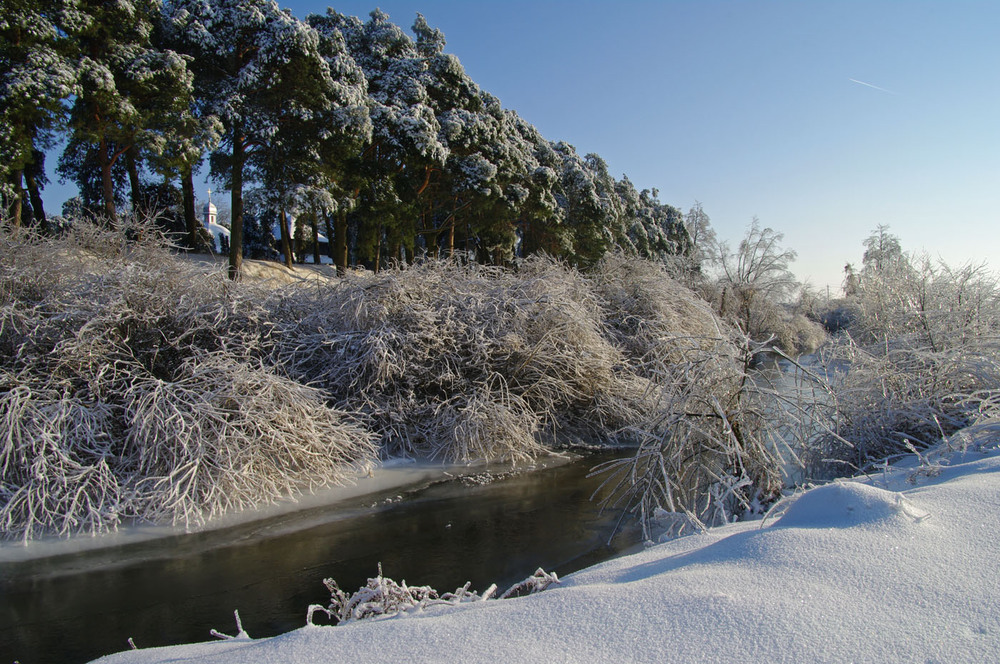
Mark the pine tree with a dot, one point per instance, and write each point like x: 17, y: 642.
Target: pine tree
x: 259, y: 70
x: 37, y: 79
x: 405, y: 152
x: 588, y: 210
x: 185, y: 135
x: 128, y: 88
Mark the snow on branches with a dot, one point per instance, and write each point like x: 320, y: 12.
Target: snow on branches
x: 383, y: 596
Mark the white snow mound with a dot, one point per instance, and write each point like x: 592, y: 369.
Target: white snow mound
x: 846, y: 504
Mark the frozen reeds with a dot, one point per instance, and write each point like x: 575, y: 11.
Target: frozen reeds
x: 464, y: 362
x: 131, y: 388
x: 383, y: 597
x: 135, y: 385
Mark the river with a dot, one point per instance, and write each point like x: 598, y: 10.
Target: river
x: 77, y: 606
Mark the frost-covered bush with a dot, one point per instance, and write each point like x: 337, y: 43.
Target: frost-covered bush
x: 922, y: 351
x: 652, y: 318
x: 134, y: 385
x: 463, y: 362
x: 131, y: 387
x: 705, y: 445
x: 709, y: 450
x: 468, y: 362
x: 891, y: 400
x: 768, y: 321
x: 799, y: 335
x: 382, y: 596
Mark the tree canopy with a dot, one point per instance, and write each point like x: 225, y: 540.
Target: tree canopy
x: 373, y: 132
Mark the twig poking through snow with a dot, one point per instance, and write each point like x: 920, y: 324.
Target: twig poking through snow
x: 240, y: 632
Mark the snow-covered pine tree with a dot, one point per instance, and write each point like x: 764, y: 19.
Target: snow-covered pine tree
x: 586, y: 194
x: 37, y: 79
x: 261, y: 71
x: 470, y: 194
x: 184, y: 136
x: 305, y: 167
x: 405, y: 152
x: 127, y: 87
x: 529, y: 184
x: 654, y: 230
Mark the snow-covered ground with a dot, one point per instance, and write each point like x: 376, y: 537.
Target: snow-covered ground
x: 902, y: 566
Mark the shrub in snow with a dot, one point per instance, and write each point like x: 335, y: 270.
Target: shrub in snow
x: 382, y: 596
x: 653, y: 319
x: 923, y: 358
x: 463, y: 362
x: 131, y: 387
x: 708, y: 451
x: 891, y: 399
x: 138, y: 387
x: 706, y: 443
x: 801, y: 335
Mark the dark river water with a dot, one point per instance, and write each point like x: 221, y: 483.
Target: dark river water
x: 74, y: 608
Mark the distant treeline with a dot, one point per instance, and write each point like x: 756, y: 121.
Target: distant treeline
x: 365, y: 132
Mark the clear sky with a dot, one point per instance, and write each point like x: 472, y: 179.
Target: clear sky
x: 823, y: 119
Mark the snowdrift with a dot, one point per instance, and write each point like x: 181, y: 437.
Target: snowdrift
x: 896, y: 567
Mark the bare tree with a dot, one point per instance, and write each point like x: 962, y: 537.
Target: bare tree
x: 755, y: 278
x: 699, y: 228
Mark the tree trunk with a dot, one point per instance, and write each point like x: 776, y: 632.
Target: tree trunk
x: 286, y: 244
x: 236, y: 229
x: 378, y: 250
x: 131, y: 165
x: 529, y: 243
x: 107, y: 184
x: 340, y: 242
x: 328, y: 224
x: 15, y: 208
x: 190, y: 217
x: 433, y: 244
x: 314, y: 224
x: 450, y: 237
x: 35, y: 195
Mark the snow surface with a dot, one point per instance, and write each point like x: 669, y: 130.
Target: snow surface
x: 899, y: 566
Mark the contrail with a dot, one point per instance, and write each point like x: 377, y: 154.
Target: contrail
x: 854, y: 80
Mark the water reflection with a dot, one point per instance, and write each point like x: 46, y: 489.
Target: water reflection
x: 72, y: 609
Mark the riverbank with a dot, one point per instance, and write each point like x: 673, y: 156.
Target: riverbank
x: 896, y: 566
x: 392, y: 475
x: 141, y: 387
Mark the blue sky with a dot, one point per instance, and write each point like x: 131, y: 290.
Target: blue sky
x: 823, y: 119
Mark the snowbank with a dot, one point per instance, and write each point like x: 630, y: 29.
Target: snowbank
x: 896, y: 567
